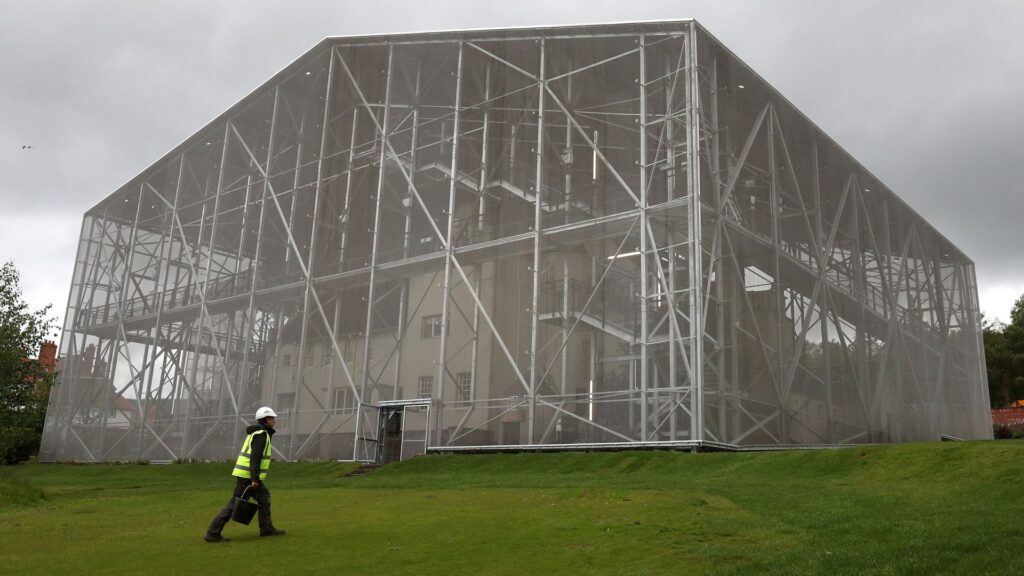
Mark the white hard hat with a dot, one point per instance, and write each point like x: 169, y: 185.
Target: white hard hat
x: 265, y: 412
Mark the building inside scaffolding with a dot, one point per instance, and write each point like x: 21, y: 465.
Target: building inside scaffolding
x: 574, y: 237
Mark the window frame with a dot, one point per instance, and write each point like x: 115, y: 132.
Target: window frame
x: 429, y: 379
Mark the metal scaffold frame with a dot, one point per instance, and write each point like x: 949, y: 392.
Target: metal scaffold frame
x: 553, y: 238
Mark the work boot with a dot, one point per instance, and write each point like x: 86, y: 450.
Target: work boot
x: 214, y: 538
x: 272, y: 532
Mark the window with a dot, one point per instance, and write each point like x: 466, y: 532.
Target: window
x: 344, y: 400
x: 350, y: 350
x: 463, y: 388
x: 285, y: 401
x: 286, y: 360
x: 426, y: 386
x: 309, y: 355
x: 328, y: 352
x: 431, y: 326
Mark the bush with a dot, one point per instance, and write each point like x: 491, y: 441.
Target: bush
x: 1002, y: 432
x: 18, y: 444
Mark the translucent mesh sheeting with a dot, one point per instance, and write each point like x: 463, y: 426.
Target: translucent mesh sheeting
x: 504, y: 226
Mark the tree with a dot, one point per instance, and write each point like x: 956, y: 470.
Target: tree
x: 24, y: 382
x: 1004, y: 357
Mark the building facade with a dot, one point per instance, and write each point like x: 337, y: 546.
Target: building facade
x: 592, y: 236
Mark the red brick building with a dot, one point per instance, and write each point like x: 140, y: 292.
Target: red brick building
x: 1011, y: 417
x: 48, y: 355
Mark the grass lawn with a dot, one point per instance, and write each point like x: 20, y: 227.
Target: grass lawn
x: 951, y: 508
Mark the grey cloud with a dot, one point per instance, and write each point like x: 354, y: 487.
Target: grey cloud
x: 924, y: 94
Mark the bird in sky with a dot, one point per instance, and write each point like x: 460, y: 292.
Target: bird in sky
x: 26, y: 147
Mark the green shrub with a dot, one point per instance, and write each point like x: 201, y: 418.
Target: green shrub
x: 1002, y: 432
x: 17, y: 444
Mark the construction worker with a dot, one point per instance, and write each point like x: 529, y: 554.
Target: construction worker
x: 250, y: 472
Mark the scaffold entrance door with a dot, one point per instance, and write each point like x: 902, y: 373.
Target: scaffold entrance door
x: 389, y: 447
x: 415, y: 430
x: 403, y: 429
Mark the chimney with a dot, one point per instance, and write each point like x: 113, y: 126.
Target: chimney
x: 48, y: 355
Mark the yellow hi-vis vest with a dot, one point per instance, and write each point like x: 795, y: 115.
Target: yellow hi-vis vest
x: 242, y: 464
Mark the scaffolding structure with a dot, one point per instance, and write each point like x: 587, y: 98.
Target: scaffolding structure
x: 577, y: 237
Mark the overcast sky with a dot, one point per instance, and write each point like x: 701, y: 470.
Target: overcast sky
x: 927, y: 95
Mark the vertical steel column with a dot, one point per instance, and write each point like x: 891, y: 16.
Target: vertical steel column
x: 117, y: 338
x: 129, y: 261
x: 180, y: 379
x: 776, y: 205
x: 88, y: 279
x: 591, y: 373
x: 643, y: 239
x: 938, y: 304
x: 407, y: 232
x: 254, y: 265
x: 278, y: 323
x: 892, y: 296
x: 481, y: 216
x: 858, y: 269
x: 225, y: 383
x: 332, y: 404
x: 311, y: 255
x: 83, y: 321
x: 716, y: 264
x: 90, y: 275
x: 107, y: 271
x: 482, y: 181
x: 373, y: 254
x: 243, y: 228
x: 399, y: 336
x: 109, y: 268
x: 112, y: 342
x: 344, y: 220
x: 823, y: 310
x: 438, y: 391
x: 290, y: 225
x: 195, y: 281
x: 670, y: 183
x: 534, y: 315
x: 693, y: 183
x: 566, y: 287
x: 403, y: 300
x: 279, y: 326
x: 910, y: 267
x: 565, y: 257
x: 344, y: 223
x: 150, y: 359
x: 300, y: 360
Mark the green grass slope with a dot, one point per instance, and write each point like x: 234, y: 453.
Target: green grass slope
x: 913, y: 509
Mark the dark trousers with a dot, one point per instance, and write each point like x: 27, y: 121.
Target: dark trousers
x: 262, y: 495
